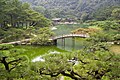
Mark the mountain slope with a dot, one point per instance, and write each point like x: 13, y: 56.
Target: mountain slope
x: 71, y: 8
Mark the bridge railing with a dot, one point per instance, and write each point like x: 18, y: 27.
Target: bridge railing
x: 69, y: 35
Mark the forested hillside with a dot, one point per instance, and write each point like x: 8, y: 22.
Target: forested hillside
x: 71, y: 8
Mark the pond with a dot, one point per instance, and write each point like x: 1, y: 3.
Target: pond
x: 70, y: 43
x: 35, y: 52
x: 67, y: 28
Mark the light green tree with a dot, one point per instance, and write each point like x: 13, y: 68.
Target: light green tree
x: 43, y: 36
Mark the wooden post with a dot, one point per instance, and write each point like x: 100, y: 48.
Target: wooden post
x: 73, y: 42
x: 64, y: 42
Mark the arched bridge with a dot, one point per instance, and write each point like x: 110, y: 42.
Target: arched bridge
x: 54, y: 39
x: 69, y: 35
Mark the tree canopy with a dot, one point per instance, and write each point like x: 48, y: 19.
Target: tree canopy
x: 80, y: 66
x: 17, y: 19
x: 12, y: 62
x: 81, y: 9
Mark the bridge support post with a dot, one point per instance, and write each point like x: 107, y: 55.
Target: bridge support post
x: 55, y: 42
x: 73, y: 42
x: 63, y: 42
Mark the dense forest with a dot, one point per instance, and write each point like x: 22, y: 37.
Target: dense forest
x: 89, y: 9
x: 27, y: 31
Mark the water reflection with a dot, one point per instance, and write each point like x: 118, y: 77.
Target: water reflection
x: 40, y: 58
x: 70, y: 44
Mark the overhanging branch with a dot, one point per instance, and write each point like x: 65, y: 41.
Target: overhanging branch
x: 14, y: 61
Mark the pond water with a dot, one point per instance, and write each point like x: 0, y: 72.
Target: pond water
x: 66, y: 28
x: 35, y: 52
x: 70, y: 43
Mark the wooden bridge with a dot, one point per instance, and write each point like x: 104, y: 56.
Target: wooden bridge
x: 54, y: 39
x: 69, y: 36
x: 25, y: 41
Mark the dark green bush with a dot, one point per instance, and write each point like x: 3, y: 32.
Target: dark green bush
x: 5, y: 46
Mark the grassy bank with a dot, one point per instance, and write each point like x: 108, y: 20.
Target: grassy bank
x: 115, y: 49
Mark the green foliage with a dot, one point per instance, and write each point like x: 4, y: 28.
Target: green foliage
x: 101, y: 37
x: 107, y: 25
x: 18, y: 21
x: 16, y: 17
x: 42, y: 37
x: 13, y: 34
x: 12, y: 63
x: 5, y: 46
x: 80, y: 65
x: 16, y: 34
x: 84, y: 16
x: 37, y: 19
x: 116, y: 13
x: 117, y: 37
x: 109, y: 31
x: 81, y: 9
x: 102, y: 13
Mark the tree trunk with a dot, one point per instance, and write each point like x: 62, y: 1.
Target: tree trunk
x: 11, y: 20
x: 6, y: 65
